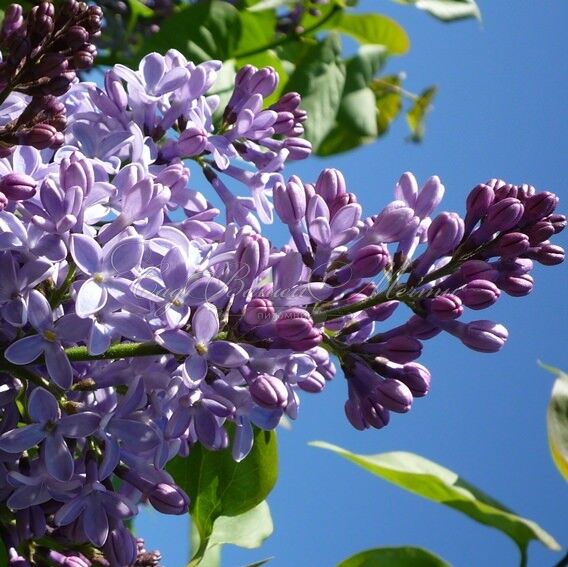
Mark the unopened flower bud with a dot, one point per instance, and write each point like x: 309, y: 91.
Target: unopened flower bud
x: 259, y: 311
x: 394, y: 395
x: 192, y: 142
x: 269, y: 391
x: 444, y: 307
x: 169, y: 499
x: 17, y: 186
x: 479, y: 294
x: 330, y: 184
x: 290, y: 201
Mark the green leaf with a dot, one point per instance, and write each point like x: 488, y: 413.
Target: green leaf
x: 249, y: 530
x: 257, y: 31
x: 356, y: 123
x: 369, y: 28
x: 394, y: 557
x: 439, y: 484
x: 416, y: 116
x: 260, y: 563
x: 557, y: 420
x: 357, y: 109
x: 319, y: 77
x: 202, y: 31
x: 447, y: 10
x: 388, y: 101
x: 219, y: 486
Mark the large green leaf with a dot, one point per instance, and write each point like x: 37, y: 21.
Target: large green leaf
x: 249, y: 530
x: 439, y: 484
x: 257, y: 31
x: 356, y: 122
x: 370, y: 28
x: 416, y: 116
x: 394, y: 557
x: 447, y: 10
x: 219, y: 486
x: 319, y: 77
x: 557, y: 420
x: 202, y: 31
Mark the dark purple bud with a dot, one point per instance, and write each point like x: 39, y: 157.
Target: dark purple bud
x: 516, y: 285
x: 421, y: 328
x: 444, y: 307
x: 558, y: 222
x: 269, y: 391
x: 400, y: 349
x: 394, y: 395
x: 12, y: 23
x: 539, y: 232
x: 3, y: 201
x: 41, y: 136
x: 382, y: 311
x: 169, y: 499
x: 540, y: 205
x: 368, y: 261
x: 259, y: 311
x: 484, y: 336
x: 290, y: 201
x: 445, y: 233
x: 76, y: 36
x: 479, y: 294
x: 505, y: 191
x: 120, y: 547
x: 191, y: 142
x: 263, y: 82
x: 84, y: 58
x: 547, y: 254
x: 512, y: 244
x: 478, y: 270
x: 18, y: 186
x: 295, y: 326
x: 417, y: 378
x: 50, y: 65
x: 330, y: 184
x: 525, y: 191
x: 478, y: 202
x: 504, y: 214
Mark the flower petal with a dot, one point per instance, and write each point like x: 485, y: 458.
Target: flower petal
x: 205, y: 323
x: 25, y: 350
x: 22, y: 439
x: 91, y: 298
x: 86, y: 253
x: 57, y: 458
x: 58, y: 365
x: 42, y: 406
x: 228, y: 355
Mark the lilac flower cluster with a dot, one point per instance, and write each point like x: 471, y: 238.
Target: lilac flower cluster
x: 42, y: 52
x: 135, y: 324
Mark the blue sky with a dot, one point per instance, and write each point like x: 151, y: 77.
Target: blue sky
x: 501, y: 112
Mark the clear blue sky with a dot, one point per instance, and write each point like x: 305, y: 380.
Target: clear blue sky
x: 501, y: 112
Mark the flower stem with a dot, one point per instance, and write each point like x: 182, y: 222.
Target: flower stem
x: 121, y: 350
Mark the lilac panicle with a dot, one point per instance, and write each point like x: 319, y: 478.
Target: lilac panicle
x: 136, y: 322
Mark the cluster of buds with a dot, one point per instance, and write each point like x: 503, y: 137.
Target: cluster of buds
x: 42, y: 53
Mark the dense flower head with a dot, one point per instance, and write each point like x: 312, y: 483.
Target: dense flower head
x: 136, y: 323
